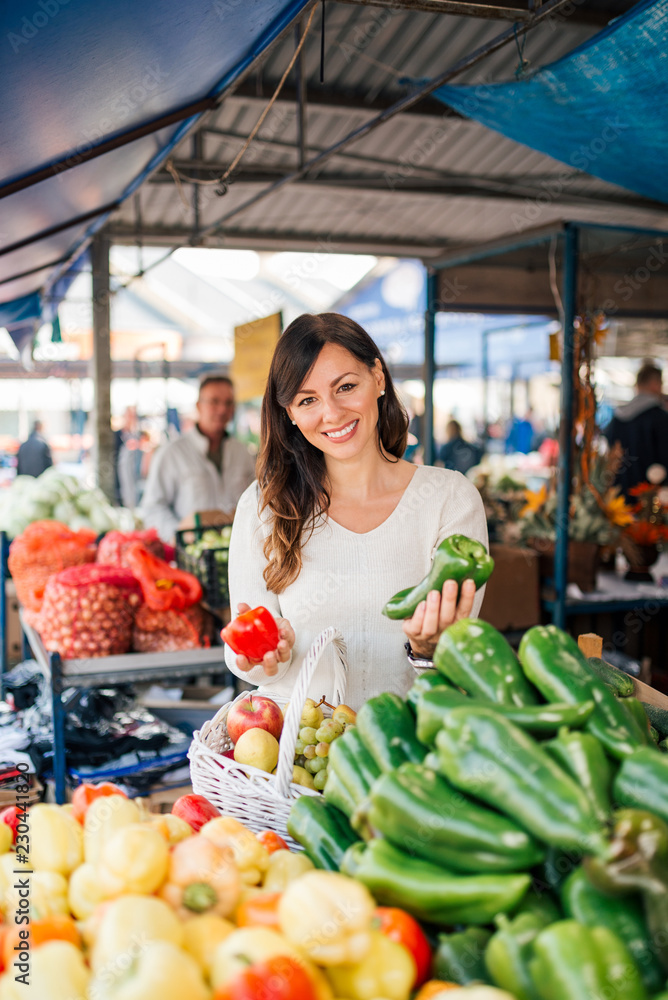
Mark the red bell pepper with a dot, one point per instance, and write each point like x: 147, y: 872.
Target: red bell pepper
x: 252, y: 634
x: 272, y: 841
x: 164, y: 588
x: 279, y: 977
x: 404, y: 929
x: 84, y: 794
x: 12, y: 816
x: 196, y: 810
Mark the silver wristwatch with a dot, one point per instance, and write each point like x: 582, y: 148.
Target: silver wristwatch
x: 417, y: 661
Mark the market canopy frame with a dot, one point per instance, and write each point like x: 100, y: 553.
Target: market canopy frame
x: 563, y: 270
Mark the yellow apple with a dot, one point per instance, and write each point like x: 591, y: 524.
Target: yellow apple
x: 257, y: 748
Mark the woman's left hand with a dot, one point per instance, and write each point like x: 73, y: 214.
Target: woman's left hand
x: 433, y: 616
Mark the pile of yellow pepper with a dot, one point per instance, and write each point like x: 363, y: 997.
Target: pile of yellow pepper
x: 125, y: 905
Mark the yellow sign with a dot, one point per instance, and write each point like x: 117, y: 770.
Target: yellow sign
x: 254, y: 345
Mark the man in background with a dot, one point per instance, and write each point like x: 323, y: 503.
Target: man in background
x: 641, y: 428
x: 205, y: 471
x: 34, y: 456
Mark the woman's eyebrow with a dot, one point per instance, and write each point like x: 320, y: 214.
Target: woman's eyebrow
x: 310, y: 392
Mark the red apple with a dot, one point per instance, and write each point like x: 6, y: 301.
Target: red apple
x: 254, y: 712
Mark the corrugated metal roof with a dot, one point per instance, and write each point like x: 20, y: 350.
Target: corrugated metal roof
x: 419, y: 183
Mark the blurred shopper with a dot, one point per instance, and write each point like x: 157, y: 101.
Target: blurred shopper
x: 34, y: 454
x: 641, y: 428
x: 521, y: 435
x: 129, y: 431
x: 205, y: 471
x: 457, y: 453
x: 132, y: 466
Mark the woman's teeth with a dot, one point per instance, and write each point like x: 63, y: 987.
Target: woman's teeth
x: 341, y: 433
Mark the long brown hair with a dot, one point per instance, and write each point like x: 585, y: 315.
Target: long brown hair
x: 291, y: 471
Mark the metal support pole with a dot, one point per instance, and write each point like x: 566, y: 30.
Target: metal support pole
x: 104, y: 438
x: 198, y: 155
x: 300, y: 81
x: 485, y: 389
x: 429, y: 368
x: 570, y: 274
x: 4, y: 652
x: 58, y: 710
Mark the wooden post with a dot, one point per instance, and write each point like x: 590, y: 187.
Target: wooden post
x: 103, y: 434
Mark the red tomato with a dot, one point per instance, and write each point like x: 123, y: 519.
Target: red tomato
x: 280, y: 977
x: 252, y: 634
x: 84, y: 795
x: 12, y: 816
x: 195, y: 810
x: 272, y: 841
x: 399, y: 926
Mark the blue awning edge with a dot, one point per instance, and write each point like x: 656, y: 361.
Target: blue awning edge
x: 601, y: 109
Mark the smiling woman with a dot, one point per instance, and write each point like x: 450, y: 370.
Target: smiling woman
x: 338, y: 521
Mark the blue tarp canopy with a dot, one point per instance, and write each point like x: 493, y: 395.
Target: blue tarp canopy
x: 81, y: 76
x: 601, y: 109
x: 391, y: 308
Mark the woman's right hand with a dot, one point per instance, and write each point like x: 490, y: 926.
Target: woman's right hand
x: 271, y: 660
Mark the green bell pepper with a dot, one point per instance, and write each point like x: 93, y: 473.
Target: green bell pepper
x: 624, y: 916
x: 433, y: 705
x: 429, y: 892
x: 387, y: 728
x: 510, y: 951
x: 635, y: 707
x: 419, y: 812
x: 351, y: 773
x: 426, y: 681
x: 472, y: 655
x: 460, y: 957
x: 456, y: 558
x: 322, y: 831
x: 581, y: 755
x: 642, y: 782
x: 574, y: 962
x: 638, y: 862
x: 541, y: 904
x: 485, y: 755
x: 337, y: 795
x: 556, y: 868
x: 552, y: 661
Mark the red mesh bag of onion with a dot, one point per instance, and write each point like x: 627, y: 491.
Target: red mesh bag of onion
x: 45, y: 548
x: 167, y: 631
x: 112, y: 548
x: 89, y: 611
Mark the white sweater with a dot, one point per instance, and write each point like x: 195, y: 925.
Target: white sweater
x: 346, y: 578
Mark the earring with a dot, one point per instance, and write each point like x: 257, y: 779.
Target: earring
x: 382, y: 392
x: 294, y: 422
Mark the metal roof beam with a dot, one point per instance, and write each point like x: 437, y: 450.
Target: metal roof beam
x: 439, y: 183
x: 499, y: 12
x: 584, y: 13
x: 336, y: 99
x: 250, y: 239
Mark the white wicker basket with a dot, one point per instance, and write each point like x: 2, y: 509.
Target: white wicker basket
x: 259, y: 800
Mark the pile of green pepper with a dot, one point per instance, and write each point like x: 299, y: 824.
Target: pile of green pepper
x: 487, y: 804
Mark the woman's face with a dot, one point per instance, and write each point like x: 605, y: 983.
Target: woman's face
x: 336, y: 408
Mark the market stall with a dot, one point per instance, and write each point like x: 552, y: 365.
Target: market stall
x: 499, y: 834
x: 574, y: 272
x: 98, y: 617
